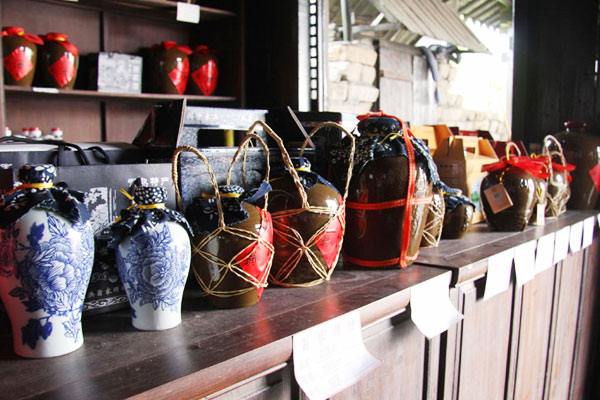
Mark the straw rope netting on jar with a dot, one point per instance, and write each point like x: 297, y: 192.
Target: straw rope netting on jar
x: 305, y: 248
x: 559, y: 190
x: 256, y: 240
x: 432, y: 233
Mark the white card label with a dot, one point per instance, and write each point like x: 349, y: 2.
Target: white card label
x: 525, y: 262
x: 498, y: 273
x: 561, y: 244
x: 331, y: 356
x: 431, y: 309
x: 45, y: 90
x: 188, y: 12
x: 575, y: 237
x: 588, y: 232
x: 544, y: 253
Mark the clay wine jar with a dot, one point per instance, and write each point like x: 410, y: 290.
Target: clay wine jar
x: 19, y: 55
x: 167, y: 68
x: 58, y: 62
x: 204, y: 71
x: 374, y: 234
x: 581, y: 149
x: 520, y: 186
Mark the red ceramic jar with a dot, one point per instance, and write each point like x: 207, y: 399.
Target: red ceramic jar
x: 58, y: 62
x: 19, y: 55
x: 204, y: 71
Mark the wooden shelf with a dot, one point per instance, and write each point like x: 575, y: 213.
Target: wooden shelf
x: 40, y: 91
x: 163, y: 9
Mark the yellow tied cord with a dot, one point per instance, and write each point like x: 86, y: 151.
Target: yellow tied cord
x: 140, y: 206
x: 389, y: 136
x: 44, y: 185
x: 226, y: 195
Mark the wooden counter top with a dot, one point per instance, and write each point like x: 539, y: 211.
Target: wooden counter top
x: 468, y: 257
x: 210, y: 350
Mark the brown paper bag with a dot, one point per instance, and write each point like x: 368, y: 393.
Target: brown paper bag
x: 459, y: 160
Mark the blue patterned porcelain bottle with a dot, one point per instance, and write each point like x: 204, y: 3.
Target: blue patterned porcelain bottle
x: 153, y: 257
x: 46, y: 257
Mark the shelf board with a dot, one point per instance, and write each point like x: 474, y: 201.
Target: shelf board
x: 91, y: 94
x: 148, y: 8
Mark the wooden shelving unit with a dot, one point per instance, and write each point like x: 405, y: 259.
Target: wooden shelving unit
x: 121, y: 26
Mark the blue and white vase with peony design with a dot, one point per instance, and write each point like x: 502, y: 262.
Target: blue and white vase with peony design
x: 46, y: 257
x: 153, y: 257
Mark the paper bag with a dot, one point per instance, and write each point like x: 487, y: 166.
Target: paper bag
x: 459, y: 160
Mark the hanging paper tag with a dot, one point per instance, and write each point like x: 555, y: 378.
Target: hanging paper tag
x: 498, y: 198
x: 588, y: 232
x: 540, y: 214
x: 188, y: 13
x: 575, y: 237
x: 498, y: 273
x: 525, y: 262
x: 431, y: 309
x: 561, y: 244
x: 331, y: 356
x: 544, y: 253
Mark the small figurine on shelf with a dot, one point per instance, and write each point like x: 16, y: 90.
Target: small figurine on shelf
x: 153, y: 257
x: 58, y: 62
x: 19, y: 53
x: 46, y: 257
x: 166, y: 69
x: 204, y: 71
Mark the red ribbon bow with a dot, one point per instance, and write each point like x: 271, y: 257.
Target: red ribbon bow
x: 170, y: 44
x: 18, y: 31
x: 537, y: 167
x: 558, y: 167
x: 61, y: 38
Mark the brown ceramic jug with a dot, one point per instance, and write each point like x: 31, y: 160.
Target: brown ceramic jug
x: 458, y: 214
x: 582, y: 149
x: 308, y: 221
x: 232, y: 257
x: 167, y: 68
x: 559, y: 181
x: 388, y: 199
x: 204, y: 71
x: 19, y: 55
x: 58, y: 62
x: 435, y: 220
x: 513, y: 176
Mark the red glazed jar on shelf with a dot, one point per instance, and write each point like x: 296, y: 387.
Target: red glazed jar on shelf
x: 167, y: 68
x: 204, y: 71
x: 19, y: 55
x: 58, y: 62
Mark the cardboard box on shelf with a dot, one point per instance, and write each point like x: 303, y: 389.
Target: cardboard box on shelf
x: 459, y: 160
x: 431, y: 134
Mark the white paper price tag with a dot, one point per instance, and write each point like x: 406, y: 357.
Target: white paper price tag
x: 45, y: 90
x: 331, y: 356
x: 525, y: 262
x: 588, y: 232
x: 544, y: 254
x: 561, y: 244
x: 575, y: 237
x: 188, y: 12
x: 431, y: 309
x: 498, y: 273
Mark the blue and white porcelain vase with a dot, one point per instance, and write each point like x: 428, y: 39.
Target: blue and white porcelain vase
x: 153, y: 257
x: 46, y: 257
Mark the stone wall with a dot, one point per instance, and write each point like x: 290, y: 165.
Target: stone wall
x: 351, y: 81
x: 451, y: 112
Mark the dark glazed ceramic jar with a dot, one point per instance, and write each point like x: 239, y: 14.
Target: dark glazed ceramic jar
x: 167, y: 68
x: 581, y: 149
x: 19, y: 55
x: 435, y: 220
x: 58, y: 62
x: 520, y: 186
x: 212, y: 265
x: 317, y: 227
x: 380, y: 232
x: 204, y: 71
x: 458, y: 215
